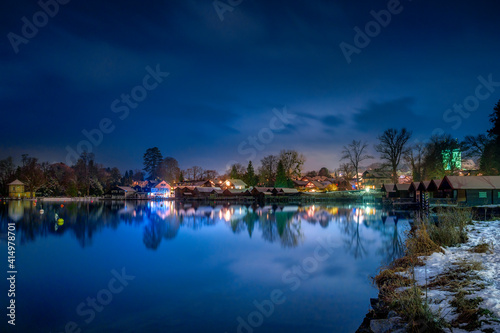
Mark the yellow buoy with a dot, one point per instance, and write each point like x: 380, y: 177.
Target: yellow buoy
x: 60, y: 221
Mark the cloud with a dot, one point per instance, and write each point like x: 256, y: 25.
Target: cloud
x: 396, y: 113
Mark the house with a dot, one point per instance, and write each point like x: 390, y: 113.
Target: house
x: 287, y: 191
x: 375, y: 179
x: 403, y: 191
x: 300, y: 184
x: 162, y: 189
x: 236, y: 184
x: 389, y: 190
x: 198, y: 183
x: 314, y: 186
x: 236, y: 193
x: 121, y: 193
x: 17, y: 190
x: 184, y: 191
x: 472, y: 190
x: 205, y: 192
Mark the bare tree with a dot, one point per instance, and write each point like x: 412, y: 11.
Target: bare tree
x: 414, y: 157
x: 267, y: 170
x: 346, y: 170
x: 292, y: 162
x: 392, y: 146
x: 354, y: 153
x: 473, y: 146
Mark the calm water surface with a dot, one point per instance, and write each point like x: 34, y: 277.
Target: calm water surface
x: 166, y: 267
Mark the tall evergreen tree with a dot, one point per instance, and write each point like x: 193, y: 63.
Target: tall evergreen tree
x: 152, y: 160
x: 250, y: 177
x: 281, y: 179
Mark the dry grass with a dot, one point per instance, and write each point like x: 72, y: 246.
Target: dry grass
x: 482, y: 248
x: 450, y: 230
x: 468, y: 311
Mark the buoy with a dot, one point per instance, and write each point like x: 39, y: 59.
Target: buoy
x: 34, y: 203
x: 60, y: 221
x: 42, y: 211
x: 62, y: 205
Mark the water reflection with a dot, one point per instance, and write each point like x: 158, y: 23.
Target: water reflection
x: 162, y: 221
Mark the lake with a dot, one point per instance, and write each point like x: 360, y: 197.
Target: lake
x: 169, y: 267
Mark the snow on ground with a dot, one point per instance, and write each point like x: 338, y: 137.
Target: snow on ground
x: 438, y: 263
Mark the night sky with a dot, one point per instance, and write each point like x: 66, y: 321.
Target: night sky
x: 228, y: 79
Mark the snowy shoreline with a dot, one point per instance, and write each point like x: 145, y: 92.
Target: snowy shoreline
x: 437, y: 264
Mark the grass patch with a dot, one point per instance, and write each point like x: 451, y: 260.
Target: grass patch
x: 468, y: 311
x: 482, y: 248
x: 450, y: 230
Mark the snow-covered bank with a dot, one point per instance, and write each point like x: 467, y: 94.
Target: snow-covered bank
x: 483, y: 272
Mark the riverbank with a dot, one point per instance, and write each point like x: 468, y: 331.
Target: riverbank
x: 448, y: 281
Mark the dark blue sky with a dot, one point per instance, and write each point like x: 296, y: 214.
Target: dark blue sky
x: 227, y: 76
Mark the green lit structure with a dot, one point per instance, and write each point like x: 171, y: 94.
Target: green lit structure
x: 452, y: 160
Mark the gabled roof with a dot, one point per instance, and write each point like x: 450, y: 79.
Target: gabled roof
x: 470, y: 183
x: 16, y: 182
x: 126, y: 188
x: 288, y: 190
x: 237, y: 182
x: 162, y: 184
x: 402, y: 187
x: 388, y: 188
x: 424, y: 185
x: 434, y: 185
x: 300, y: 182
x: 205, y: 189
x: 262, y: 189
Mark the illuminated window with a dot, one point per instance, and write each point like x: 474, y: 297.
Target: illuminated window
x: 482, y: 195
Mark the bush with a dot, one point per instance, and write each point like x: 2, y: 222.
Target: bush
x: 450, y: 230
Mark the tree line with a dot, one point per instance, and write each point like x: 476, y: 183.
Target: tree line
x: 433, y: 159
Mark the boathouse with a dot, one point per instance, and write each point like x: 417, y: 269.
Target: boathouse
x: 17, y: 190
x: 472, y: 190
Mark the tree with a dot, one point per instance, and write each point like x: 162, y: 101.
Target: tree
x: 354, y: 153
x: 31, y: 173
x: 152, y: 159
x: 473, y: 146
x: 323, y: 172
x: 438, y: 160
x: 210, y: 174
x: 490, y: 159
x: 311, y: 174
x: 169, y: 170
x: 138, y: 175
x: 267, y: 169
x: 197, y: 172
x: 292, y: 162
x: 392, y: 146
x: 250, y: 177
x: 281, y: 178
x: 7, y: 174
x: 237, y: 171
x: 86, y: 173
x: 414, y: 158
x: 346, y: 170
x: 181, y: 177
